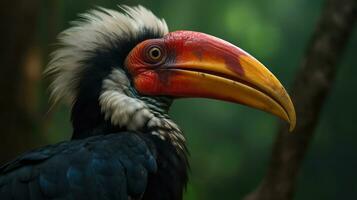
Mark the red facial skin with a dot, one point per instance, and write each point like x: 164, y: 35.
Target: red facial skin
x: 179, y: 49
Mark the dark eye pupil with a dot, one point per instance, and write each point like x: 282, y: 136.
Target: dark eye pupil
x: 155, y: 53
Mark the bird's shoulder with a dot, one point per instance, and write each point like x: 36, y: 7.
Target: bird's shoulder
x: 112, y: 166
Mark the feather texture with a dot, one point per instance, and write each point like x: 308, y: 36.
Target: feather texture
x: 114, y: 166
x: 98, y: 30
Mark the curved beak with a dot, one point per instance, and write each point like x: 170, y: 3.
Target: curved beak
x: 208, y: 67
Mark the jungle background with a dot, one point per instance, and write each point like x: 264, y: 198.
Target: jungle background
x: 230, y: 144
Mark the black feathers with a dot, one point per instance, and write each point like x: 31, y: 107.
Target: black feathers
x: 114, y: 166
x: 170, y: 180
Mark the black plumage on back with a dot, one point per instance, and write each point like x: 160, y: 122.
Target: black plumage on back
x: 113, y: 166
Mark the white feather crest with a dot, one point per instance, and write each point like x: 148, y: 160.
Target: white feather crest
x: 96, y: 29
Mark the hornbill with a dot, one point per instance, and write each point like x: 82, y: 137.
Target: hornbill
x: 121, y: 71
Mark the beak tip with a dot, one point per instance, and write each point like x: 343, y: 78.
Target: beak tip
x: 292, y: 127
x: 292, y: 122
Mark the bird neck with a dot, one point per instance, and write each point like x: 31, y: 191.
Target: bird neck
x: 116, y: 107
x: 88, y: 119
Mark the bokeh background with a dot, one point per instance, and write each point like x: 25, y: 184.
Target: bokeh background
x: 230, y: 144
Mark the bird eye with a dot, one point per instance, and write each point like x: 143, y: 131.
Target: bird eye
x: 155, y: 54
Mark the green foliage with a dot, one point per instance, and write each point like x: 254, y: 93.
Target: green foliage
x: 230, y: 145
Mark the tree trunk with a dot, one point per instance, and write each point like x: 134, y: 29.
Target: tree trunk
x: 18, y: 21
x: 312, y: 85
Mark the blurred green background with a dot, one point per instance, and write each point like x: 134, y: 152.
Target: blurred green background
x: 230, y: 145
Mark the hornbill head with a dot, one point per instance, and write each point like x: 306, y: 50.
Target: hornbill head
x: 126, y: 68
